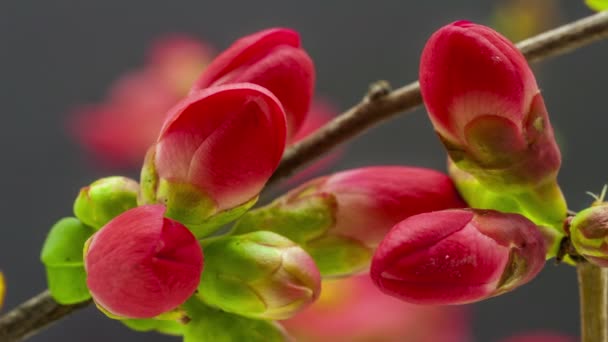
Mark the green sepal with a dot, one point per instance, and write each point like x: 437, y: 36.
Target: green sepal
x: 302, y: 221
x: 174, y: 328
x: 68, y: 284
x: 185, y: 202
x: 64, y: 243
x: 337, y: 256
x: 62, y: 256
x: 217, y: 221
x: 308, y: 222
x: 543, y: 204
x: 208, y: 324
x: 597, y: 5
x: 105, y: 199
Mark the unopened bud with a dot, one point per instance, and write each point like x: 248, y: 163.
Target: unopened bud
x: 340, y: 219
x: 457, y: 256
x: 105, y: 199
x: 259, y: 275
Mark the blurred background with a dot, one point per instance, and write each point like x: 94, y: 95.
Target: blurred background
x: 56, y: 57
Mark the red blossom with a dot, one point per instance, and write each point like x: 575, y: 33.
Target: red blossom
x: 273, y: 59
x: 457, y: 256
x: 141, y: 264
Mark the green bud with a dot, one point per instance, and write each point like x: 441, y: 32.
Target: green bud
x: 259, y: 275
x: 62, y: 257
x: 169, y: 327
x: 105, y: 199
x: 589, y: 234
x: 209, y: 324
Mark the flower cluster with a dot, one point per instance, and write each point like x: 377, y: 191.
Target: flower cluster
x: 156, y: 255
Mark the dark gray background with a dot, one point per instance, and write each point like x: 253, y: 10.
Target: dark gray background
x: 57, y: 53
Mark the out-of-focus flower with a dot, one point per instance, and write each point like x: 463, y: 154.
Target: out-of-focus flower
x: 540, y: 337
x: 589, y: 234
x: 340, y: 219
x: 259, y: 275
x: 457, y: 256
x: 2, y: 289
x: 105, y: 199
x: 273, y: 59
x: 485, y: 105
x: 521, y: 19
x: 215, y: 152
x: 119, y: 130
x: 141, y: 265
x: 354, y: 310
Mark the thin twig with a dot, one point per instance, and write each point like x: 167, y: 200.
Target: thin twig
x: 380, y: 104
x: 593, y: 288
x: 372, y: 110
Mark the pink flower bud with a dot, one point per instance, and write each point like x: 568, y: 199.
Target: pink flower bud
x: 216, y: 150
x: 275, y: 60
x: 457, y: 256
x: 485, y: 104
x: 340, y: 219
x: 141, y: 264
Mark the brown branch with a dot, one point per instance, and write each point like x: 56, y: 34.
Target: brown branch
x: 380, y: 104
x: 593, y: 288
x: 378, y: 107
x: 33, y: 315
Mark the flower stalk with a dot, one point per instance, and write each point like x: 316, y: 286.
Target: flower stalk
x: 593, y: 290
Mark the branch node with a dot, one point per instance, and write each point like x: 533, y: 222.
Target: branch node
x: 378, y: 90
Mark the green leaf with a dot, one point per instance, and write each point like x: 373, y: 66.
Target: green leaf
x: 208, y: 324
x: 2, y: 289
x: 64, y: 243
x: 598, y: 5
x: 68, y: 284
x: 163, y: 326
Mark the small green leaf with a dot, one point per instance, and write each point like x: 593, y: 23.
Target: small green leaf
x: 64, y: 244
x: 163, y: 326
x: 68, y: 284
x: 598, y: 5
x: 208, y: 324
x: 2, y: 289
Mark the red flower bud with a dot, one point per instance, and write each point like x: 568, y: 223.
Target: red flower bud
x: 273, y: 59
x: 141, y: 264
x: 340, y: 219
x: 216, y: 150
x: 457, y: 256
x: 485, y: 104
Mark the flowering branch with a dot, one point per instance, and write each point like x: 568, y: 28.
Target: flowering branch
x: 381, y: 103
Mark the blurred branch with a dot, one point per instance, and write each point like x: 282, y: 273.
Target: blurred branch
x: 381, y: 103
x: 31, y: 316
x: 380, y: 106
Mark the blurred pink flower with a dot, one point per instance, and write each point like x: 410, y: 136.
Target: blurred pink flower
x: 354, y: 310
x: 120, y: 129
